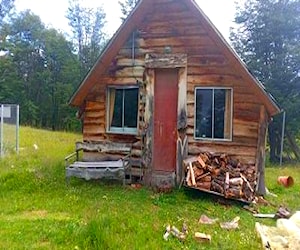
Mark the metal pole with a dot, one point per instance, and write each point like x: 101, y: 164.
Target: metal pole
x: 1, y: 130
x: 17, y: 128
x: 282, y: 137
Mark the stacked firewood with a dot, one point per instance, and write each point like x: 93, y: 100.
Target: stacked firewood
x: 221, y: 174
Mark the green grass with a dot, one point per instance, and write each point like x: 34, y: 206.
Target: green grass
x: 9, y: 138
x: 39, y: 211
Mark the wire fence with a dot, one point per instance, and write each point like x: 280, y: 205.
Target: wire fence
x: 9, y: 129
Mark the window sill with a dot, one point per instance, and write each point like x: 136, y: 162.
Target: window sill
x: 211, y: 140
x: 122, y: 132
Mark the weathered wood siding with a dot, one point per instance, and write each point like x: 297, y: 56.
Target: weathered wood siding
x: 171, y: 28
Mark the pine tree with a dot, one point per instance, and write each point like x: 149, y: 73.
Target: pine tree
x: 267, y: 38
x: 126, y: 7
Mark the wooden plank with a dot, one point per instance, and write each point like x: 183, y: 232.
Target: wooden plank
x: 136, y: 71
x: 245, y: 129
x: 207, y: 59
x: 165, y: 60
x: 214, y: 80
x: 127, y: 52
x: 92, y: 105
x: 232, y: 150
x: 98, y: 164
x: 94, y: 114
x: 169, y: 7
x: 161, y: 17
x: 129, y: 62
x: 161, y: 28
x: 118, y: 81
x: 97, y: 121
x: 182, y: 99
x: 245, y: 98
x: 93, y: 129
x: 243, y: 140
x: 104, y: 147
x: 210, y: 69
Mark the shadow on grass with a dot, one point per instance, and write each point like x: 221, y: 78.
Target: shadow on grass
x: 195, y: 194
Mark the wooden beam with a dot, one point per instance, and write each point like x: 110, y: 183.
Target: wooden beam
x: 165, y: 61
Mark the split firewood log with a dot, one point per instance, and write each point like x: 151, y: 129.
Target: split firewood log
x: 215, y: 172
x: 201, y: 162
x: 206, y: 179
x: 224, y: 158
x: 233, y: 163
x: 201, y: 237
x: 226, y: 183
x: 192, y: 174
x: 204, y: 185
x: 205, y: 157
x: 222, y: 164
x: 198, y: 172
x: 217, y: 187
x: 220, y: 180
x: 236, y: 181
x: 234, y: 192
x: 202, y: 176
x: 188, y: 177
x: 216, y: 161
x: 210, y: 168
x: 247, y: 182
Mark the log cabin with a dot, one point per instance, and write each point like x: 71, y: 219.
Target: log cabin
x: 170, y: 85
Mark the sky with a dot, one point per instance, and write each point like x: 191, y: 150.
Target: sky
x: 52, y: 12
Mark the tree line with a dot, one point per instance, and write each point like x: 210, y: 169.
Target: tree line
x: 40, y: 67
x: 267, y: 37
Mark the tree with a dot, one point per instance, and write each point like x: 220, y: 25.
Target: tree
x: 5, y: 7
x: 126, y: 7
x: 61, y: 72
x: 40, y: 72
x: 267, y: 38
x: 24, y: 46
x: 89, y: 38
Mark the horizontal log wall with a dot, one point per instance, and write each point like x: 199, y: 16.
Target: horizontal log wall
x: 171, y: 28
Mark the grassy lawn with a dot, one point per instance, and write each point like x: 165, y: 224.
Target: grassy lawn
x: 39, y: 211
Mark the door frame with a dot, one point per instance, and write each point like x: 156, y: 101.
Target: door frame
x: 159, y: 61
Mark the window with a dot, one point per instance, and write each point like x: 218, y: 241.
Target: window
x: 123, y: 109
x: 213, y: 113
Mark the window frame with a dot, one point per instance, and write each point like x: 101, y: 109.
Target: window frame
x: 212, y: 127
x: 120, y: 130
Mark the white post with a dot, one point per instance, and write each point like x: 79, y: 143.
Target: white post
x: 1, y: 130
x: 282, y: 137
x: 17, y: 128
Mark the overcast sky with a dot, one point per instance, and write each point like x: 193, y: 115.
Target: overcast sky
x: 52, y: 12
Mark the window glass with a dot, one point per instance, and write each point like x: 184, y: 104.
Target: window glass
x: 219, y: 113
x: 204, y: 113
x: 117, y: 109
x: 123, y: 109
x: 130, y: 108
x: 213, y: 116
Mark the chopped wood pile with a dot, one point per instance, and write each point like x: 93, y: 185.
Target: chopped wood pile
x: 221, y: 174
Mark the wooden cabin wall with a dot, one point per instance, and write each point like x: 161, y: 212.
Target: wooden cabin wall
x: 171, y: 28
x: 124, y: 70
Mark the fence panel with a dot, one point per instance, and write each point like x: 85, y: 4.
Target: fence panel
x: 9, y: 128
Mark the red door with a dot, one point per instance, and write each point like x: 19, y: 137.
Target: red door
x: 165, y: 119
